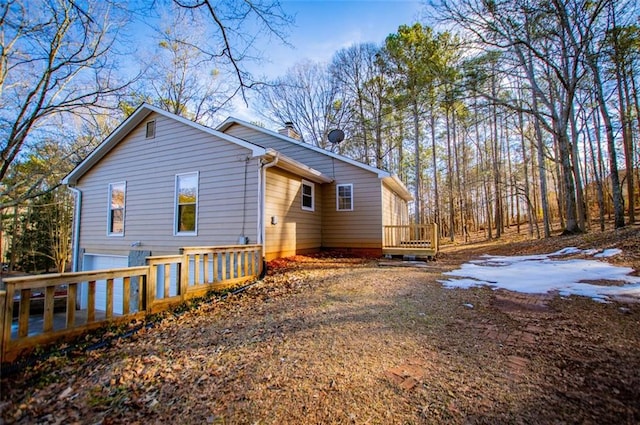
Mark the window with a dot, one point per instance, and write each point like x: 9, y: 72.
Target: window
x: 151, y: 130
x: 344, y: 197
x: 115, y: 225
x: 307, y: 196
x: 186, y: 212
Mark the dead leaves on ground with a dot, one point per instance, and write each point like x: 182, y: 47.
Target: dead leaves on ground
x: 340, y: 340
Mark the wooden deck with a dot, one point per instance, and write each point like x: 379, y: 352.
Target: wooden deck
x: 164, y: 282
x: 412, y: 240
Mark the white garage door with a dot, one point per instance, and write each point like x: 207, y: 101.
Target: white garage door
x: 100, y: 262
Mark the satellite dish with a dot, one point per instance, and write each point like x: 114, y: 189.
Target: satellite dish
x: 336, y: 136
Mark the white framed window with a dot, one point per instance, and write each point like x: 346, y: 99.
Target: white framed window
x: 308, y: 196
x: 151, y: 130
x: 115, y: 219
x: 186, y: 204
x: 344, y: 197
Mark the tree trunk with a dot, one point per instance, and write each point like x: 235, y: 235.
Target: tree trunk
x: 450, y: 178
x: 436, y: 194
x: 618, y: 202
x: 418, y: 167
x: 627, y: 137
x: 365, y: 130
x: 401, y: 171
x: 14, y: 240
x: 484, y: 164
x: 541, y: 169
x: 514, y: 206
x: 575, y: 163
x: 536, y: 197
x: 636, y: 103
x: 596, y: 165
x: 525, y: 171
x: 496, y: 164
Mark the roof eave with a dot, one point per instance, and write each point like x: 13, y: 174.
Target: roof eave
x: 298, y: 168
x: 107, y: 144
x: 398, y: 187
x: 231, y: 120
x: 134, y: 120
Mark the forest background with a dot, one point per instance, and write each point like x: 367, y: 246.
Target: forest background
x: 508, y: 113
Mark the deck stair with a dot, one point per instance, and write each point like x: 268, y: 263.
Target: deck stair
x: 411, y: 241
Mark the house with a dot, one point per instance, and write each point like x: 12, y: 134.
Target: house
x: 160, y: 182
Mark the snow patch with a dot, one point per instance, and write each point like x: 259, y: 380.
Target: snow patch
x: 608, y: 253
x: 536, y: 274
x: 566, y: 251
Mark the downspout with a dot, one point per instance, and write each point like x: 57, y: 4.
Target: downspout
x: 262, y: 185
x: 75, y: 243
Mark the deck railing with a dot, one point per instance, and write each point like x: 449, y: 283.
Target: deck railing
x: 420, y: 236
x: 164, y: 282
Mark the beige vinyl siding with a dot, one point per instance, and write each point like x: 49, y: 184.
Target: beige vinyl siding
x: 360, y: 228
x: 394, y: 209
x: 149, y: 167
x: 297, y: 231
x: 292, y: 149
x: 296, y: 150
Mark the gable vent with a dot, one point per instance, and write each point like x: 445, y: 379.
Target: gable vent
x: 151, y: 130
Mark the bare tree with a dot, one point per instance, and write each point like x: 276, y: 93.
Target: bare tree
x: 181, y: 78
x: 624, y: 46
x: 358, y: 71
x: 548, y: 43
x: 228, y: 39
x: 57, y: 224
x: 410, y: 56
x: 56, y: 61
x: 307, y: 96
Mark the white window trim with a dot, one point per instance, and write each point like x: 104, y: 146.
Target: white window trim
x: 338, y: 197
x: 124, y: 210
x: 313, y: 195
x: 175, y: 205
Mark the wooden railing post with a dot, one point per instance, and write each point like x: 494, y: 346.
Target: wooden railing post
x: 126, y: 294
x: 23, y: 313
x: 72, y: 291
x: 151, y: 285
x: 205, y: 267
x: 183, y: 276
x: 216, y: 259
x: 91, y: 301
x: 142, y: 290
x: 49, y: 305
x: 435, y: 238
x: 109, y: 308
x: 196, y: 269
x: 3, y: 306
x: 225, y: 260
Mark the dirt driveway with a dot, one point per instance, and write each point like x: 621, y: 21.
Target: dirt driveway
x: 326, y: 340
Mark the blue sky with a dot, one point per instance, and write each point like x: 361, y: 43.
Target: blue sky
x: 323, y: 27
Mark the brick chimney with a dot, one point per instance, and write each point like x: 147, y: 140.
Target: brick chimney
x: 289, y: 131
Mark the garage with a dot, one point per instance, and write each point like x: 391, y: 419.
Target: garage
x: 101, y: 262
